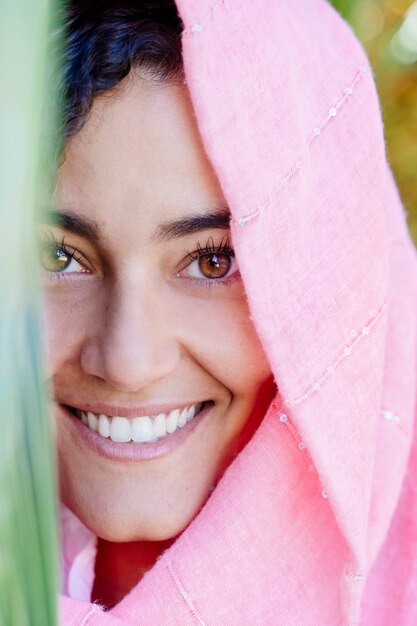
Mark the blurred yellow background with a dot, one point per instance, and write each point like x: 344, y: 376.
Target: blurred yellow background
x: 388, y: 31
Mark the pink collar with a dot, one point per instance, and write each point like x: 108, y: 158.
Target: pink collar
x: 78, y: 554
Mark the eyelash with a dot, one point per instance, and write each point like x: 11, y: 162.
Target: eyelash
x: 210, y: 248
x: 49, y: 239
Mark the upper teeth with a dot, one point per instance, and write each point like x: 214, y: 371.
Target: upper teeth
x: 139, y: 429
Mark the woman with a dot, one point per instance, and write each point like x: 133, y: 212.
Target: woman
x: 219, y: 227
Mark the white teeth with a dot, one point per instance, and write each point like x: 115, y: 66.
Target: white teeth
x: 92, y: 421
x: 120, y: 429
x: 191, y: 412
x: 172, y: 421
x: 159, y: 427
x: 182, y: 420
x: 139, y: 429
x: 142, y: 429
x: 103, y: 426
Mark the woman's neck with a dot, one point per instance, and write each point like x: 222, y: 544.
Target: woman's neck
x: 120, y: 566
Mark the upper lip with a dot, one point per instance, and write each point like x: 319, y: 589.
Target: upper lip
x: 101, y: 408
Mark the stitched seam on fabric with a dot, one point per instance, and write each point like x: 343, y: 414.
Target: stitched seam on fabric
x: 392, y: 418
x: 330, y: 369
x: 315, y: 133
x: 202, y: 23
x: 184, y: 595
x: 90, y: 613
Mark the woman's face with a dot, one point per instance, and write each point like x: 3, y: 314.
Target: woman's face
x: 145, y: 314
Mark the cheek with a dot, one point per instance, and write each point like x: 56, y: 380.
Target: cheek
x: 215, y: 332
x: 65, y: 321
x: 222, y: 338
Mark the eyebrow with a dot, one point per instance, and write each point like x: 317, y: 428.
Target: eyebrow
x: 219, y: 218
x: 67, y: 220
x: 174, y: 229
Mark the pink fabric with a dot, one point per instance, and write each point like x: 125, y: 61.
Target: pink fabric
x: 315, y: 522
x: 78, y: 555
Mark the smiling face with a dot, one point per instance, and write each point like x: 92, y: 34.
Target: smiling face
x: 145, y: 313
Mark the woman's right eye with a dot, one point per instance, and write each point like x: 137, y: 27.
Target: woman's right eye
x: 58, y: 259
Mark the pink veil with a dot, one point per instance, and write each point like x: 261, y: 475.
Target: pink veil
x: 315, y: 522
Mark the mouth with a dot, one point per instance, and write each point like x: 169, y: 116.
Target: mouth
x: 141, y: 428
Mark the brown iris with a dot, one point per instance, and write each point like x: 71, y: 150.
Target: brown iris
x: 214, y: 265
x: 54, y: 259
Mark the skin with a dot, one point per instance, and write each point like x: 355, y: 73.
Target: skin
x: 134, y: 321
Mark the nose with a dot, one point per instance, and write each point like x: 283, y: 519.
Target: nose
x: 132, y: 344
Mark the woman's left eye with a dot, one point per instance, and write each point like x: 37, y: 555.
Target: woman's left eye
x: 212, y: 266
x: 58, y: 259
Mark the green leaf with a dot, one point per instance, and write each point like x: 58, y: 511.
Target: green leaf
x: 28, y: 529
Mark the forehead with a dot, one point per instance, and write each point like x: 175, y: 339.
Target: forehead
x: 138, y: 160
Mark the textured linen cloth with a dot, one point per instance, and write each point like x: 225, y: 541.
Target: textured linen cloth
x: 315, y: 522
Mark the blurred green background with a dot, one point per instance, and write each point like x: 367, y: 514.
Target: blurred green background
x: 29, y: 574
x: 388, y: 31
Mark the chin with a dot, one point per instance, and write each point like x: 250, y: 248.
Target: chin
x: 119, y: 535
x: 129, y: 525
x: 117, y: 531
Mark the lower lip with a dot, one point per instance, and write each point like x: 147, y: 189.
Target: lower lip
x: 132, y: 451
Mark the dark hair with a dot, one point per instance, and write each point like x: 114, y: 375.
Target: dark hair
x: 104, y: 39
